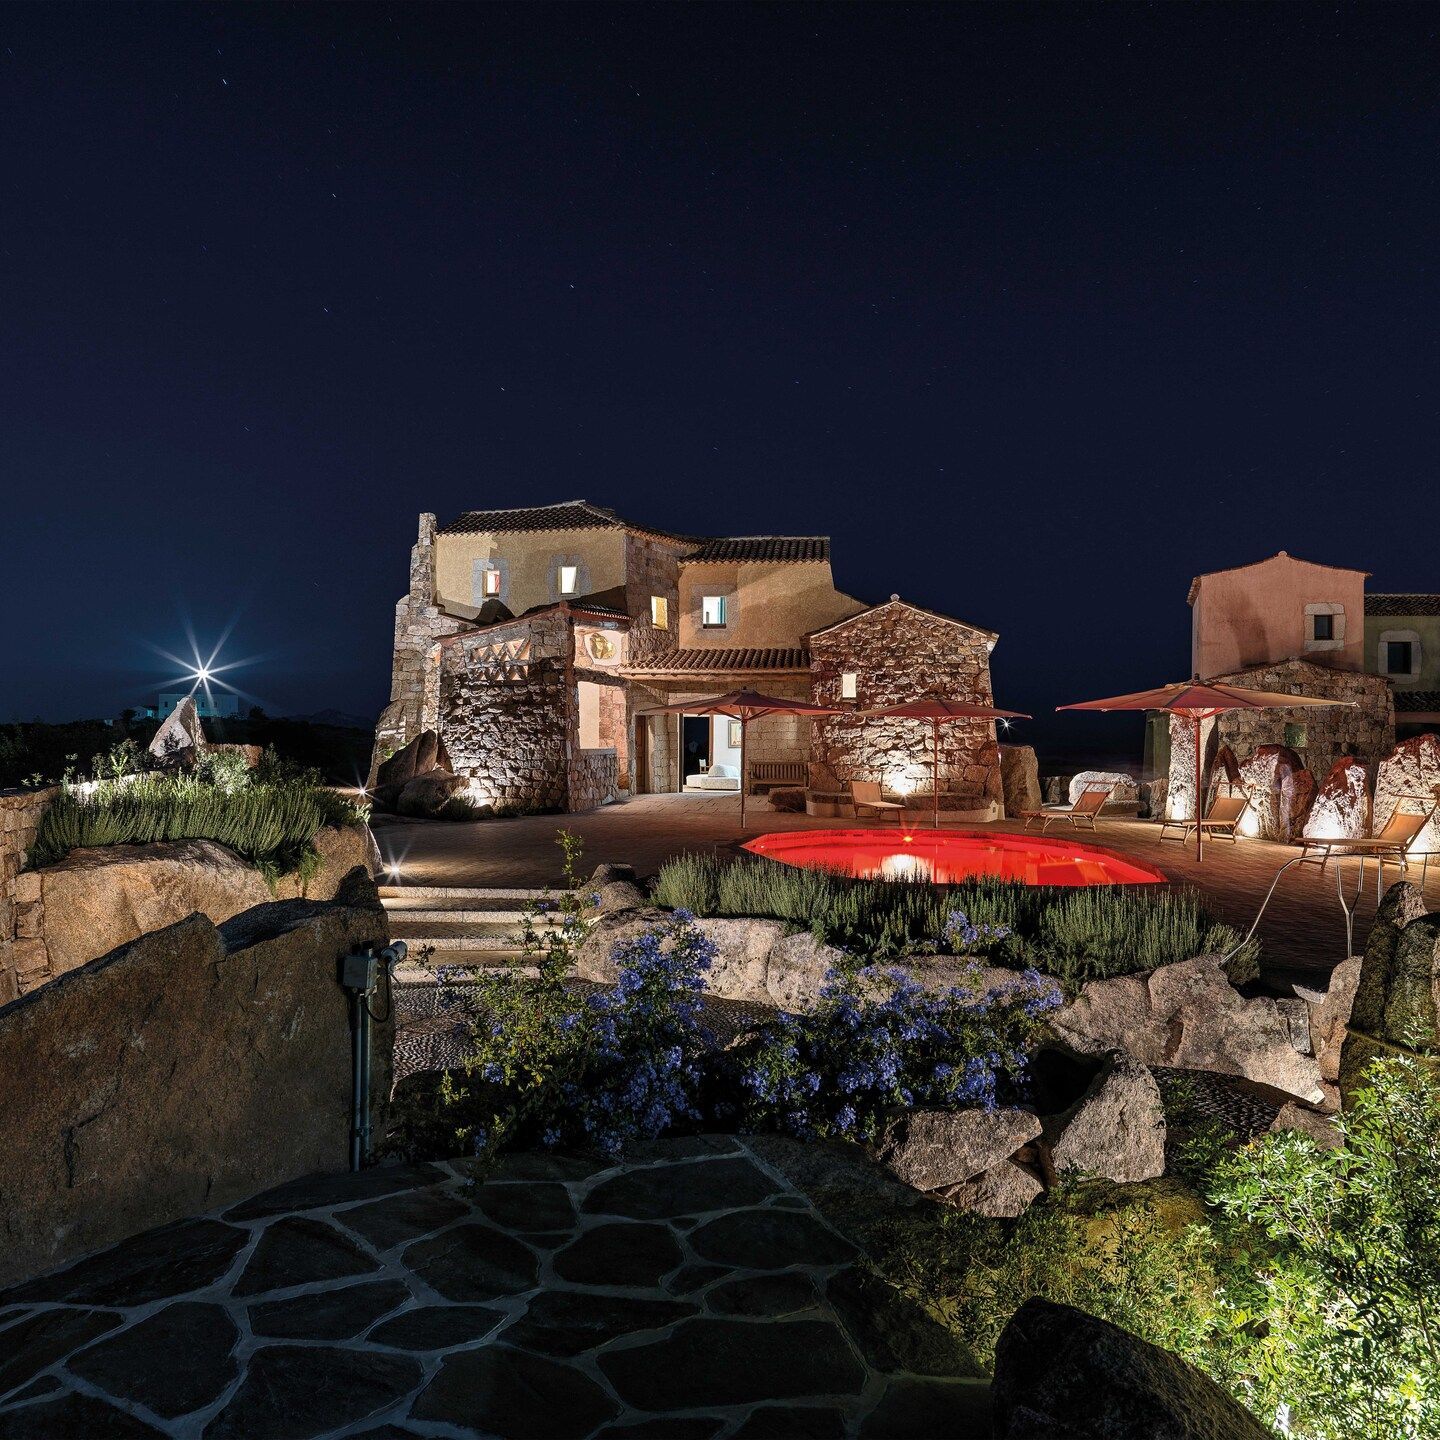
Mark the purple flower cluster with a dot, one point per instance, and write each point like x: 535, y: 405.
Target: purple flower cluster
x: 960, y: 935
x: 878, y: 1042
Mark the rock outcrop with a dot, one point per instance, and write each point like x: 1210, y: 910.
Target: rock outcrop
x: 932, y: 1149
x: 427, y: 795
x: 1408, y: 777
x: 1329, y: 1016
x: 1115, y: 1129
x: 1020, y: 778
x: 180, y: 740
x: 1397, y: 999
x: 193, y: 1066
x: 1342, y: 806
x: 1001, y: 1192
x: 1281, y: 790
x: 1190, y: 1016
x: 426, y: 752
x: 1061, y: 1374
x: 1124, y: 789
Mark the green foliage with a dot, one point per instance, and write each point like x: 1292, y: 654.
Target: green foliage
x: 270, y: 823
x: 1073, y: 934
x: 1344, y: 1304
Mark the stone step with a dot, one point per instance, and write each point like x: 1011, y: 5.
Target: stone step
x: 430, y: 916
x: 461, y: 940
x: 478, y: 896
x: 414, y: 982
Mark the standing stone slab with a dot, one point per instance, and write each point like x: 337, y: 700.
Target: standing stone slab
x: 1116, y: 1129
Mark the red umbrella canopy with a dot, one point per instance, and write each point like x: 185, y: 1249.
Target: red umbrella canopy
x: 743, y: 705
x: 937, y: 707
x: 1203, y: 698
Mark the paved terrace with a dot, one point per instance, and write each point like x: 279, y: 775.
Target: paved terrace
x: 1303, y: 931
x: 692, y: 1292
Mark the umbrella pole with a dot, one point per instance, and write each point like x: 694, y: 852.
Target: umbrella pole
x: 935, y: 780
x: 1199, y: 797
x: 744, y: 774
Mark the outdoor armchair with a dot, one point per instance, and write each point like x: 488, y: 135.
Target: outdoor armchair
x: 1391, y: 844
x: 1084, y: 811
x: 1222, y: 818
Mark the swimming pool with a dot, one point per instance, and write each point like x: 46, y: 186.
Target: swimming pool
x: 947, y: 857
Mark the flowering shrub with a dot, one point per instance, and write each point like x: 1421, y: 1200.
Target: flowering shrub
x: 878, y: 1042
x: 554, y: 1064
x: 961, y: 936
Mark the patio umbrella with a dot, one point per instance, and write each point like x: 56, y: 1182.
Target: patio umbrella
x: 937, y: 710
x: 1202, y: 700
x: 744, y: 706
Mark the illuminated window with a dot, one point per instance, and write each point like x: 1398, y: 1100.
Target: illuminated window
x: 849, y: 685
x: 1399, y: 657
x: 492, y: 582
x: 659, y: 612
x: 713, y: 612
x: 1324, y: 627
x: 569, y: 579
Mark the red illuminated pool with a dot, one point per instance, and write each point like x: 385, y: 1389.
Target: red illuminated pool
x: 950, y: 856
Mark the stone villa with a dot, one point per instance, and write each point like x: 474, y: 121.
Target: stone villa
x: 531, y: 640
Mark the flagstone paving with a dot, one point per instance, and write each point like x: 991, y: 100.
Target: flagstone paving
x: 690, y: 1291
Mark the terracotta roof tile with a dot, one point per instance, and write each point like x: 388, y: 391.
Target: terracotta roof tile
x: 729, y: 658
x: 1402, y: 604
x: 568, y: 515
x: 763, y: 547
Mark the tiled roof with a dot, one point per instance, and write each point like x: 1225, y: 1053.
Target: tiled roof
x: 720, y: 657
x: 1402, y: 604
x: 763, y: 547
x: 906, y: 604
x: 1426, y: 700
x: 568, y: 515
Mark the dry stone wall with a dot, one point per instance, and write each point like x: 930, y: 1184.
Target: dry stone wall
x: 507, y: 712
x: 898, y: 653
x: 24, y: 962
x: 594, y: 779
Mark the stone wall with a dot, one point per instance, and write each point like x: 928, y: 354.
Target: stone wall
x: 419, y: 623
x: 190, y: 1068
x: 898, y: 653
x: 506, y: 703
x: 594, y: 779
x: 23, y: 960
x: 1366, y: 731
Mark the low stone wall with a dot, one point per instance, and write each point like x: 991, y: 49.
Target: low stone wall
x: 192, y: 1067
x: 23, y: 963
x: 594, y: 779
x: 95, y: 900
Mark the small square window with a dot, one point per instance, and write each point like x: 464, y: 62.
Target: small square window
x: 714, y: 612
x: 659, y: 612
x: 1399, y: 657
x: 569, y: 579
x: 849, y: 685
x: 492, y: 582
x: 1324, y: 626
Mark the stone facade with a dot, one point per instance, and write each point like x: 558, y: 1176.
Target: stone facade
x: 24, y: 962
x: 594, y: 779
x: 1364, y: 729
x: 900, y: 652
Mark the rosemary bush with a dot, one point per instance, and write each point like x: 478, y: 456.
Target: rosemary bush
x: 1073, y: 934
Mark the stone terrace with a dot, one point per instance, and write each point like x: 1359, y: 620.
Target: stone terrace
x: 688, y: 1293
x: 1303, y: 931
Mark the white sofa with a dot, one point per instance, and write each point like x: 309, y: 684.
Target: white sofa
x: 717, y: 777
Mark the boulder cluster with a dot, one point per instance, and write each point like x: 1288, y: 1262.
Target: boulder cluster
x: 417, y: 780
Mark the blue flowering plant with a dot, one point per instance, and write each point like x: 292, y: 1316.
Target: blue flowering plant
x: 879, y: 1043
x: 552, y: 1061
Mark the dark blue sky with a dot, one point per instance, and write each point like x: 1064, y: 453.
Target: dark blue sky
x: 1037, y: 311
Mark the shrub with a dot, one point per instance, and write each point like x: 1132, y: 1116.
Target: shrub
x: 878, y: 1043
x: 553, y: 1065
x: 1074, y: 934
x: 270, y: 824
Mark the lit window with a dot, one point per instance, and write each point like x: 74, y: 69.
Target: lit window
x: 569, y: 579
x: 713, y: 612
x: 492, y: 582
x: 1399, y: 657
x: 659, y: 612
x: 849, y: 685
x: 1324, y: 627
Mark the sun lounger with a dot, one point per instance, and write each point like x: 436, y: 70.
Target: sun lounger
x: 867, y: 795
x: 1389, y: 845
x: 1083, y: 812
x: 1221, y: 819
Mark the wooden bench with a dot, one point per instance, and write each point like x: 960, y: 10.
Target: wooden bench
x: 774, y: 774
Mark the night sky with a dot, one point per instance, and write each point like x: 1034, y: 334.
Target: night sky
x: 1037, y: 311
